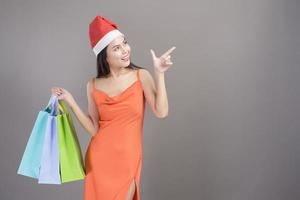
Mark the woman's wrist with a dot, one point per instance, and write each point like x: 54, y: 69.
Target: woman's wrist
x: 71, y: 102
x: 156, y: 71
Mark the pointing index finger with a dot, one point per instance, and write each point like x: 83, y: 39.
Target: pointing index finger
x: 169, y: 51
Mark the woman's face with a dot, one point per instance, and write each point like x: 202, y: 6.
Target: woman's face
x: 118, y: 53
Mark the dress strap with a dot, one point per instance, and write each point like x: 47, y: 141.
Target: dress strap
x: 138, y: 74
x: 93, y: 84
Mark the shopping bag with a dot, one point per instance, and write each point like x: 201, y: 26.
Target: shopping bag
x: 71, y: 162
x: 31, y: 160
x: 49, y: 171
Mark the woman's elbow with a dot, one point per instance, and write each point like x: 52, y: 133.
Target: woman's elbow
x: 161, y: 115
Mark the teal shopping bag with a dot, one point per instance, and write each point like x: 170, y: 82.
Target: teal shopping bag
x: 31, y: 160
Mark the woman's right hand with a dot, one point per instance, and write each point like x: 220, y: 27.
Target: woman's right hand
x: 62, y: 94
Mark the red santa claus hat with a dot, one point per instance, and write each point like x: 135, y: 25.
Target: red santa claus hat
x: 102, y: 32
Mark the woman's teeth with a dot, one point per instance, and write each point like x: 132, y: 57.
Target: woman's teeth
x: 125, y: 59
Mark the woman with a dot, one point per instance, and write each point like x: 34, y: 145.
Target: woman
x: 116, y: 104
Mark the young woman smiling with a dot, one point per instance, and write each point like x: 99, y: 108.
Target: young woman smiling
x: 116, y: 104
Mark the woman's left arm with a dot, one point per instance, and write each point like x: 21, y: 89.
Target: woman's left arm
x: 155, y: 91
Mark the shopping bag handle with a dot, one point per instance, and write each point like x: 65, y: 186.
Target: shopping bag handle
x: 62, y: 107
x: 53, y: 104
x: 51, y: 100
x: 57, y: 105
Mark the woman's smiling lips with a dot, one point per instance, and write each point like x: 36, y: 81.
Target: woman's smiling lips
x: 126, y: 58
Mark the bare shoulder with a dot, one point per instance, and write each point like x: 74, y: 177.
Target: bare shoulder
x: 89, y: 84
x: 144, y: 74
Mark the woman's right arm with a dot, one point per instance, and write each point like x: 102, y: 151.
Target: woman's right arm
x: 90, y: 121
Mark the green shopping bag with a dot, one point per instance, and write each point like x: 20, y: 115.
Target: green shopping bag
x: 71, y: 162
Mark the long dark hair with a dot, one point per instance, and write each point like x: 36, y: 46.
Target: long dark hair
x: 103, y: 67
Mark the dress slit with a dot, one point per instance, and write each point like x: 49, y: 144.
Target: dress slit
x: 122, y: 194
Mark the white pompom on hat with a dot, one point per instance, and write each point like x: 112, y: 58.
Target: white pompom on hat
x: 102, y: 32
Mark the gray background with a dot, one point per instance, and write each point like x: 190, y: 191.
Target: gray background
x: 233, y: 127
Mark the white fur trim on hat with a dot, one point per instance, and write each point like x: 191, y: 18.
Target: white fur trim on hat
x: 110, y: 36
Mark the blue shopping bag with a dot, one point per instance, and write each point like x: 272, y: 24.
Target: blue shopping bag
x: 50, y: 167
x: 31, y: 160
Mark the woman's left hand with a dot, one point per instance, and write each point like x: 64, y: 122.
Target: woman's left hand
x: 163, y: 63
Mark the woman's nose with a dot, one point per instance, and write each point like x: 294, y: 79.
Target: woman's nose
x: 124, y: 50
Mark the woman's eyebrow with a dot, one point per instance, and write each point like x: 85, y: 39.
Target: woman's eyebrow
x: 118, y: 44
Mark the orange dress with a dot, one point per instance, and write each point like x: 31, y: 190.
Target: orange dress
x: 114, y: 155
